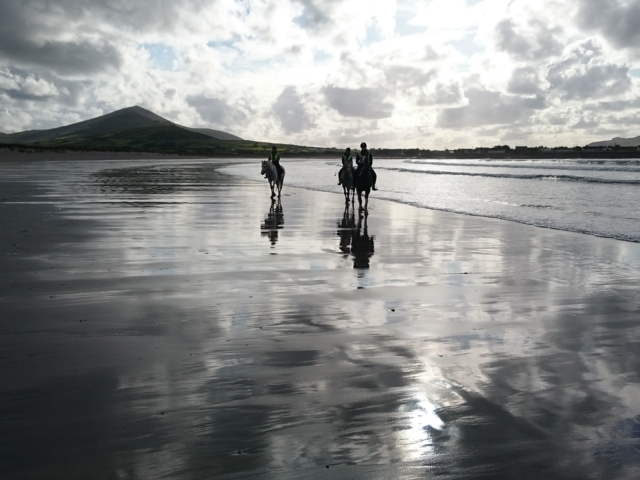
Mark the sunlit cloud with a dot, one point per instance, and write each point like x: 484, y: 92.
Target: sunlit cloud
x: 327, y: 72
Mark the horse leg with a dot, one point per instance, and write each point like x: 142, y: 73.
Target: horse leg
x: 359, y: 200
x: 366, y: 201
x: 273, y: 193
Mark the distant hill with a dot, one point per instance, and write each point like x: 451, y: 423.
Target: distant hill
x: 125, y: 120
x: 623, y: 142
x: 118, y: 121
x: 135, y: 129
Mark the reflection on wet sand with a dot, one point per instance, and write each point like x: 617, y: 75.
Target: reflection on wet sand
x: 346, y: 228
x: 273, y: 222
x: 168, y: 342
x: 355, y: 238
x: 362, y: 244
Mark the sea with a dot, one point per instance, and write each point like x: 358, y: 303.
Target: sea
x: 592, y: 196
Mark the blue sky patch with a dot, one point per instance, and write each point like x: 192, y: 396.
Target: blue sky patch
x: 162, y: 56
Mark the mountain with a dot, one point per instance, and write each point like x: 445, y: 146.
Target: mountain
x: 217, y: 134
x: 135, y: 129
x: 121, y: 123
x: 623, y: 142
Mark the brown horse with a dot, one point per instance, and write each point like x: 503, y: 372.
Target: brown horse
x: 363, y: 184
x: 348, y: 185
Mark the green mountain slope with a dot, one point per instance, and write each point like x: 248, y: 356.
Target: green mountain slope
x: 125, y: 120
x: 217, y: 134
x: 139, y: 130
x: 118, y: 121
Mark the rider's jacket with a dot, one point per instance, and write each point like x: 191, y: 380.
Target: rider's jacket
x: 362, y: 156
x: 274, y: 157
x: 347, y: 160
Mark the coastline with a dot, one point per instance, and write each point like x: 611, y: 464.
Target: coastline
x: 194, y: 329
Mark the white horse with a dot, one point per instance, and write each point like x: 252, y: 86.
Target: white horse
x: 275, y: 180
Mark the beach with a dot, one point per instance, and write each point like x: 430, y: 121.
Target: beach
x: 165, y: 320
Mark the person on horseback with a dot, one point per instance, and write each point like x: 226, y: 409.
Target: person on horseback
x: 347, y: 162
x: 274, y: 158
x: 362, y: 158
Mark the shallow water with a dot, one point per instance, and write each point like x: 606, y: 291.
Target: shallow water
x: 172, y: 321
x: 598, y: 197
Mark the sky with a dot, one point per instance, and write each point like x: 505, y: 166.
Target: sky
x: 394, y: 73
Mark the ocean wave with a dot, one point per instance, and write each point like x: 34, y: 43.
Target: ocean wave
x: 565, y: 178
x: 536, y: 166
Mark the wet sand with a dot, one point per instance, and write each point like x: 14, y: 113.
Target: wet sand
x: 171, y: 322
x: 13, y: 155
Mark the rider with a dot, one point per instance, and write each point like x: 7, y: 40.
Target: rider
x: 363, y: 156
x: 347, y: 161
x: 274, y: 158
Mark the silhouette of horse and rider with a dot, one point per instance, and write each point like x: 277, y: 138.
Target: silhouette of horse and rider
x: 273, y: 171
x: 361, y: 179
x: 354, y: 239
x: 273, y: 222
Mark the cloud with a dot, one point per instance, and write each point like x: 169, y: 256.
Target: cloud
x: 26, y: 88
x: 489, y: 108
x: 585, y: 74
x: 379, y: 66
x: 66, y: 58
x: 290, y: 111
x: 359, y: 102
x: 524, y: 81
x: 28, y: 37
x: 216, y: 111
x: 586, y: 124
x: 406, y: 76
x: 616, y: 20
x: 614, y: 106
x: 625, y: 120
x: 530, y: 42
x: 442, y: 94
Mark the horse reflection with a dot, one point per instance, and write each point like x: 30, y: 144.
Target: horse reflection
x: 273, y: 222
x: 355, y: 238
x: 362, y: 245
x: 346, y: 229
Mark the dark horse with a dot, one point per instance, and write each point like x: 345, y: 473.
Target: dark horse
x: 348, y: 184
x: 363, y: 184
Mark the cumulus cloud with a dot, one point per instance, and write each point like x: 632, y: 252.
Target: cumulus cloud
x: 359, y: 102
x: 489, y: 108
x: 585, y: 74
x: 27, y: 38
x: 216, y: 111
x: 617, y: 20
x: 394, y: 69
x: 404, y: 76
x: 530, y: 42
x: 442, y: 94
x: 290, y: 111
x: 28, y: 87
x: 524, y: 81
